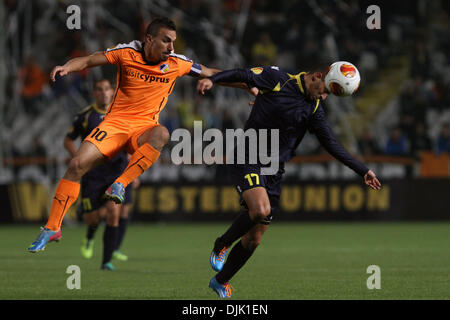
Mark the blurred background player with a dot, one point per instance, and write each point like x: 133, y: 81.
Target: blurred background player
x: 93, y: 184
x: 291, y: 104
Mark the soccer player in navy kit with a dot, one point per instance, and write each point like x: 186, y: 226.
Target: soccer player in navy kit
x: 96, y: 181
x: 292, y: 104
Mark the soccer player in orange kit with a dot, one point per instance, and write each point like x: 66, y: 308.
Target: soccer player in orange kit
x: 146, y: 74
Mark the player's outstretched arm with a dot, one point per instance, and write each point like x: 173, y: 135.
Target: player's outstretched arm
x: 78, y: 64
x: 209, y: 72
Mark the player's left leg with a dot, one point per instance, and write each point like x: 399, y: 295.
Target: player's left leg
x: 87, y: 157
x: 238, y: 256
x: 123, y: 221
x: 110, y: 234
x: 147, y: 146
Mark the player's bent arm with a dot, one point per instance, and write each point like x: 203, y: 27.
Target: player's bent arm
x: 69, y: 145
x: 207, y: 72
x: 230, y: 76
x: 79, y: 63
x: 236, y: 78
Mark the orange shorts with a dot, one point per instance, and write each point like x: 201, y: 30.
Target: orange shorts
x: 115, y: 134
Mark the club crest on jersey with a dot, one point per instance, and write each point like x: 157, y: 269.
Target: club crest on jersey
x: 257, y: 70
x: 164, y: 67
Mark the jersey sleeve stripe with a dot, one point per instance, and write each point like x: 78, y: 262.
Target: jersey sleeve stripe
x: 196, y: 69
x: 180, y: 56
x: 135, y: 45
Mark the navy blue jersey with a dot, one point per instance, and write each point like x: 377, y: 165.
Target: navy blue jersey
x: 88, y: 119
x: 283, y: 104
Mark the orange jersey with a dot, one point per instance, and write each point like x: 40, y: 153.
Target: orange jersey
x: 142, y: 89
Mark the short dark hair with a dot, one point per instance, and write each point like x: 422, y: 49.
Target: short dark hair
x: 158, y: 23
x: 321, y: 67
x: 101, y: 80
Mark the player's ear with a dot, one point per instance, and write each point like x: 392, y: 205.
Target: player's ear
x: 317, y: 75
x: 314, y: 77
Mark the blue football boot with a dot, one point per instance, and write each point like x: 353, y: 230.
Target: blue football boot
x: 222, y: 290
x: 115, y: 192
x: 218, y: 255
x: 42, y: 240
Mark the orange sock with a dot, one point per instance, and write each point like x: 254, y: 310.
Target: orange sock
x: 65, y: 195
x: 142, y: 159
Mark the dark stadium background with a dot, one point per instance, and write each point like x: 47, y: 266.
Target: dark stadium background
x: 398, y: 122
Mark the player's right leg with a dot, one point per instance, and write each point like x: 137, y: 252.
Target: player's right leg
x: 110, y: 236
x: 123, y: 221
x: 86, y: 158
x: 146, y: 146
x: 238, y: 256
x: 258, y: 204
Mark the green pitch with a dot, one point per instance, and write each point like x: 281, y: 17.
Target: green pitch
x: 294, y: 261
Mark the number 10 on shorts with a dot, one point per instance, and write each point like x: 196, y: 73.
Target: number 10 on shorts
x: 249, y: 177
x: 98, y: 135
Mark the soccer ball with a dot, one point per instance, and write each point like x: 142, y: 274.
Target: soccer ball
x: 342, y: 79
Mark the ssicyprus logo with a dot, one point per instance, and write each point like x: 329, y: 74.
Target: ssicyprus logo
x: 145, y: 77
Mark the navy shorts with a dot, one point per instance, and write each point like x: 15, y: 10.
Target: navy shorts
x: 248, y: 176
x: 128, y: 194
x: 92, y: 195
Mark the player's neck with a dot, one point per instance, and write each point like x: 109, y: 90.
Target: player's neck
x: 307, y: 86
x: 148, y: 56
x: 307, y: 79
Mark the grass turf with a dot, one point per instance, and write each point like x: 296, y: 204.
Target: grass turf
x: 294, y: 261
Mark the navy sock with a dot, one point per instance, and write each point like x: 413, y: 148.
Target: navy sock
x: 109, y: 242
x: 240, y: 226
x: 91, y: 231
x: 235, y: 261
x: 122, y: 229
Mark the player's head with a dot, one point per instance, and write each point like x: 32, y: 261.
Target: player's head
x: 159, y: 38
x: 315, y: 85
x: 103, y: 92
